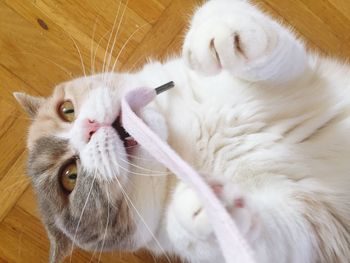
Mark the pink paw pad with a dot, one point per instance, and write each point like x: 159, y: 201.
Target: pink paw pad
x: 217, y: 188
x: 239, y: 203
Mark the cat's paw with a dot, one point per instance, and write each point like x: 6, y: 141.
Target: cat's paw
x: 189, y: 214
x: 192, y: 217
x: 190, y: 229
x: 228, y: 35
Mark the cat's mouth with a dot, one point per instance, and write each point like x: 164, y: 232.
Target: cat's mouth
x: 127, y: 139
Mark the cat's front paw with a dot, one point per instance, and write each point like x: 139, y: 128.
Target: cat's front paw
x: 189, y: 213
x: 190, y: 230
x: 227, y: 35
x: 192, y: 217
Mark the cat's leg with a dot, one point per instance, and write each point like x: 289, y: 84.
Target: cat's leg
x: 234, y: 36
x: 284, y: 221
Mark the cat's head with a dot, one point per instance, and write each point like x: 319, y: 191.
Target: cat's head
x: 81, y: 164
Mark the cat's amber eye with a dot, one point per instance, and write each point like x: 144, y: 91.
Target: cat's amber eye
x: 68, y: 176
x: 66, y: 111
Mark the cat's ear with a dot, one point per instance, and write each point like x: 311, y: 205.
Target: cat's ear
x: 60, y: 245
x: 29, y: 103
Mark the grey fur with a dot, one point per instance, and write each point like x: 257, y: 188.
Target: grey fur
x: 61, y: 212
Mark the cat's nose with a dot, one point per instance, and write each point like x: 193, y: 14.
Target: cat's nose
x: 89, y: 128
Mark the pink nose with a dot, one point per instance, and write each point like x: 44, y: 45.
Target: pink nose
x: 89, y: 128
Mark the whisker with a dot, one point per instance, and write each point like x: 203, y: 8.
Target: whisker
x: 110, y: 37
x: 143, y: 168
x: 142, y: 174
x: 125, y: 44
x: 107, y: 222
x: 93, y: 254
x: 97, y: 47
x: 97, y: 247
x: 143, y: 220
x: 92, y: 66
x: 133, y: 146
x: 116, y: 34
x: 137, y: 157
x: 106, y: 163
x: 78, y: 50
x: 81, y: 216
x: 79, y: 53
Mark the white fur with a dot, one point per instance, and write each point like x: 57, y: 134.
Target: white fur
x: 272, y: 124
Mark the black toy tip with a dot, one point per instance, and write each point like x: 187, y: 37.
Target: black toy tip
x: 164, y: 87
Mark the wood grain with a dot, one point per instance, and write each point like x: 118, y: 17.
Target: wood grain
x: 39, y: 42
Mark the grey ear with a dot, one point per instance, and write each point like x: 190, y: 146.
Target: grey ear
x: 60, y: 245
x: 29, y: 103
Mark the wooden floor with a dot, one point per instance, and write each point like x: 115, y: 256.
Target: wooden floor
x: 38, y: 49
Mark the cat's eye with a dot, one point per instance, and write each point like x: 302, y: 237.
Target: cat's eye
x: 68, y: 176
x: 66, y: 111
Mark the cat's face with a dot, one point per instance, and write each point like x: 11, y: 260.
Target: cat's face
x: 80, y: 163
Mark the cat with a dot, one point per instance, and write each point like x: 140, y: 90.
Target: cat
x: 265, y: 121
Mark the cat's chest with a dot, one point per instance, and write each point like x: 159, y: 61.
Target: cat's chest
x: 217, y: 136
x: 226, y: 137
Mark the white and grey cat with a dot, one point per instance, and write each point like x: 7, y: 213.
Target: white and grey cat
x: 267, y: 123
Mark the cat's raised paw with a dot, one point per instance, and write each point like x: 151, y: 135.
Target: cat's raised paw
x: 190, y: 214
x: 227, y: 39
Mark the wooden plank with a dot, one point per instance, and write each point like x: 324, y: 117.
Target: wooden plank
x: 30, y: 238
x: 12, y: 186
x: 27, y: 203
x: 14, y: 125
x: 17, y: 247
x: 77, y: 19
x: 345, y: 50
x: 342, y: 6
x: 334, y: 20
x: 170, y: 24
x: 14, y: 121
x: 59, y: 31
x: 148, y: 10
x: 8, y: 115
x: 49, y: 29
x: 311, y: 26
x: 274, y: 14
x: 41, y: 62
x: 10, y: 83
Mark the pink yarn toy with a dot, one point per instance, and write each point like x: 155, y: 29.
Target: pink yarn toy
x: 234, y: 248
